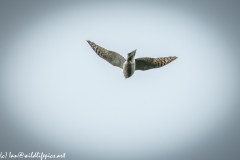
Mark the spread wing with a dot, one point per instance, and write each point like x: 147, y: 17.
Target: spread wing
x: 147, y: 63
x: 110, y: 56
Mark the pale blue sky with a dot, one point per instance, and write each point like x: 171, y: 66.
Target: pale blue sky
x: 61, y: 93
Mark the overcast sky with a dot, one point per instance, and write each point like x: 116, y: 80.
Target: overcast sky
x: 58, y: 96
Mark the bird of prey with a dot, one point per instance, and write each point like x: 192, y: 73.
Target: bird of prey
x: 131, y: 64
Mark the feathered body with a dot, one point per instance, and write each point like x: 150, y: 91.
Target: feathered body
x: 129, y: 67
x: 131, y: 64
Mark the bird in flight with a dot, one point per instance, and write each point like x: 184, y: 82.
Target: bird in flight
x: 131, y: 64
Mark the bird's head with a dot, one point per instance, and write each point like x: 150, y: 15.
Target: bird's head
x: 131, y: 55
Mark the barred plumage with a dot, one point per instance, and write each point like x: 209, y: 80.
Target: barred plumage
x: 131, y: 64
x: 112, y: 57
x: 147, y: 63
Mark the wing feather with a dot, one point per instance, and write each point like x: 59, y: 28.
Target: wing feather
x: 112, y: 57
x: 147, y: 63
